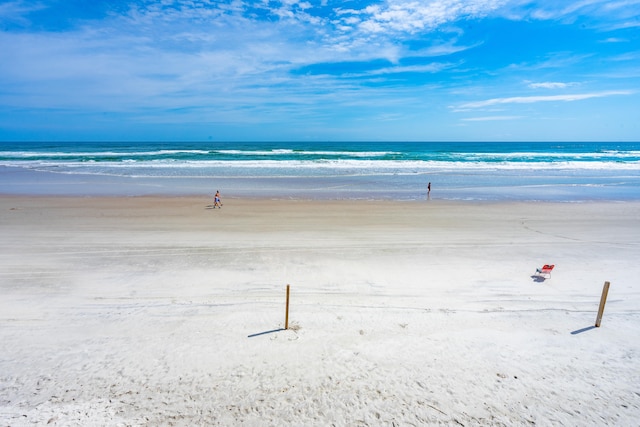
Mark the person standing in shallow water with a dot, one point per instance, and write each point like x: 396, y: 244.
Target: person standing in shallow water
x: 216, y: 200
x: 429, y: 191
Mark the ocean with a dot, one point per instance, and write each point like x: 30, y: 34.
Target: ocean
x: 479, y: 171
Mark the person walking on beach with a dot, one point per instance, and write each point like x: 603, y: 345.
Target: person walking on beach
x: 429, y: 190
x: 216, y: 200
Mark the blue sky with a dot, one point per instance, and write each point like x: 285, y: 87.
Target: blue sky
x: 320, y: 70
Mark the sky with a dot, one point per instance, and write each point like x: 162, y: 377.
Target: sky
x: 327, y: 70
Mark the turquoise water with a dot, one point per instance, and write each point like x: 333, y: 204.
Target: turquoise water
x: 327, y: 170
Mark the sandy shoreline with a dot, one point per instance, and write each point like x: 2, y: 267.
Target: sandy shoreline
x: 152, y: 311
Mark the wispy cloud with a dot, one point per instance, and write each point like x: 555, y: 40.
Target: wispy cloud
x: 491, y: 118
x: 601, y: 14
x: 554, y: 60
x: 535, y: 99
x: 16, y: 11
x: 615, y: 40
x: 550, y: 85
x: 444, y: 49
x: 427, y: 68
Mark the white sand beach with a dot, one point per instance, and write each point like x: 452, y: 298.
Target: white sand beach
x: 152, y: 311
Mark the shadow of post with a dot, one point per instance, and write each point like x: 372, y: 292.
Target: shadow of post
x: 266, y: 332
x: 579, y: 331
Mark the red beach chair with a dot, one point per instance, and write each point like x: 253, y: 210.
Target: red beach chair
x: 545, y: 271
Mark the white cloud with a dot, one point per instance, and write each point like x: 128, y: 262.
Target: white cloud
x: 602, y: 14
x: 550, y: 85
x: 535, y: 99
x: 629, y: 56
x: 491, y: 118
x: 15, y: 11
x: 557, y: 60
x: 414, y: 16
x: 444, y: 49
x: 615, y: 40
x: 380, y: 26
x: 428, y: 68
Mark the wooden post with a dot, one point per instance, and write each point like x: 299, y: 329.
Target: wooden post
x: 603, y: 300
x: 286, y: 316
